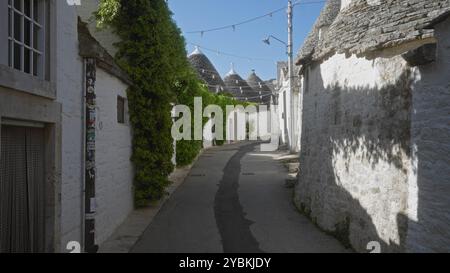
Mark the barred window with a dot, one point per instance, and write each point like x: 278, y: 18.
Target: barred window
x: 27, y: 36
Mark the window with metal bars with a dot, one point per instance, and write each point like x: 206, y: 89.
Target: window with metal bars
x: 27, y: 39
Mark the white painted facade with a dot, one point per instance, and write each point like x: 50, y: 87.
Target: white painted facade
x: 114, y: 181
x: 70, y: 92
x: 283, y: 107
x: 284, y: 113
x: 56, y: 104
x: 374, y: 163
x: 59, y: 105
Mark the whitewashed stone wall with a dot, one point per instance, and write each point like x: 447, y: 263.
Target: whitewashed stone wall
x: 284, y: 112
x: 429, y: 195
x: 355, y: 149
x: 114, y: 181
x: 69, y: 84
x: 208, y: 135
x: 115, y: 174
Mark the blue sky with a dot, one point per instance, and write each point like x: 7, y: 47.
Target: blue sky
x: 246, y: 40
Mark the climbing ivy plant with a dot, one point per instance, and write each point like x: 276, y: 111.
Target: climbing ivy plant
x: 152, y: 51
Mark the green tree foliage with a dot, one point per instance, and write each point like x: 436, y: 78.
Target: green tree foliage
x: 152, y: 52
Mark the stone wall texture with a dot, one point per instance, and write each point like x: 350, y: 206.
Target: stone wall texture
x: 375, y: 150
x: 355, y: 149
x: 429, y: 201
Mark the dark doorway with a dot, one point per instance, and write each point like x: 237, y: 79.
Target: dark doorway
x: 22, y: 190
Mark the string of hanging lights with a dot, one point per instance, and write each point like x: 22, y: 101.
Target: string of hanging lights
x: 234, y: 26
x: 242, y: 88
x: 213, y: 76
x: 232, y: 55
x: 252, y: 98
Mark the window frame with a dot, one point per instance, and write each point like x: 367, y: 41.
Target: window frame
x: 121, y: 116
x: 18, y: 80
x: 37, y: 20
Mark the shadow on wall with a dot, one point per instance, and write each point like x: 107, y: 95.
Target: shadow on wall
x: 431, y: 151
x: 355, y: 162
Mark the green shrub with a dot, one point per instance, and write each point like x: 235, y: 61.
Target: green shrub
x: 153, y: 53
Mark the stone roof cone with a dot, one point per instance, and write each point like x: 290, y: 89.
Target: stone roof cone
x: 206, y: 70
x: 259, y: 87
x: 237, y: 86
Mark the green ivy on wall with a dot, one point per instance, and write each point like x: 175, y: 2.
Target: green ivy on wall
x: 152, y: 52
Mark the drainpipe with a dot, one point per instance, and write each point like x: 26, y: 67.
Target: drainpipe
x: 83, y: 154
x: 90, y: 167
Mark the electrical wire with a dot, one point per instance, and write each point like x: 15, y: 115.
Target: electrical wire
x: 244, y: 88
x: 270, y: 14
x: 232, y: 55
x: 256, y: 97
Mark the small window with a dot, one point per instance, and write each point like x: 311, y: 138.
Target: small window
x: 306, y: 81
x: 26, y: 36
x: 121, y: 110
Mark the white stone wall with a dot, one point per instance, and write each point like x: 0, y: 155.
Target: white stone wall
x: 282, y: 108
x: 285, y: 126
x: 355, y: 149
x: 69, y: 84
x: 429, y: 195
x: 114, y: 181
x: 208, y: 136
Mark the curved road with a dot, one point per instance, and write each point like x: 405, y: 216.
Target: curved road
x: 234, y: 201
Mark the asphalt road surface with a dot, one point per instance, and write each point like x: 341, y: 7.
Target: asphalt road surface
x: 234, y: 201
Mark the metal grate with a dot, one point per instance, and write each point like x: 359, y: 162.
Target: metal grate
x: 26, y: 36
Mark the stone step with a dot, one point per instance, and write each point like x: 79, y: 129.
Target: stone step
x: 293, y: 167
x: 291, y: 180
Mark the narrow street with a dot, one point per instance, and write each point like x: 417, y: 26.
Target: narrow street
x: 234, y: 201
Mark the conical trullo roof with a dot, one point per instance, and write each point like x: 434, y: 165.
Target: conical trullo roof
x: 206, y: 71
x: 260, y: 87
x: 238, y: 87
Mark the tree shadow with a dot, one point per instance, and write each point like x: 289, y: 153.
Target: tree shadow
x: 354, y: 162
